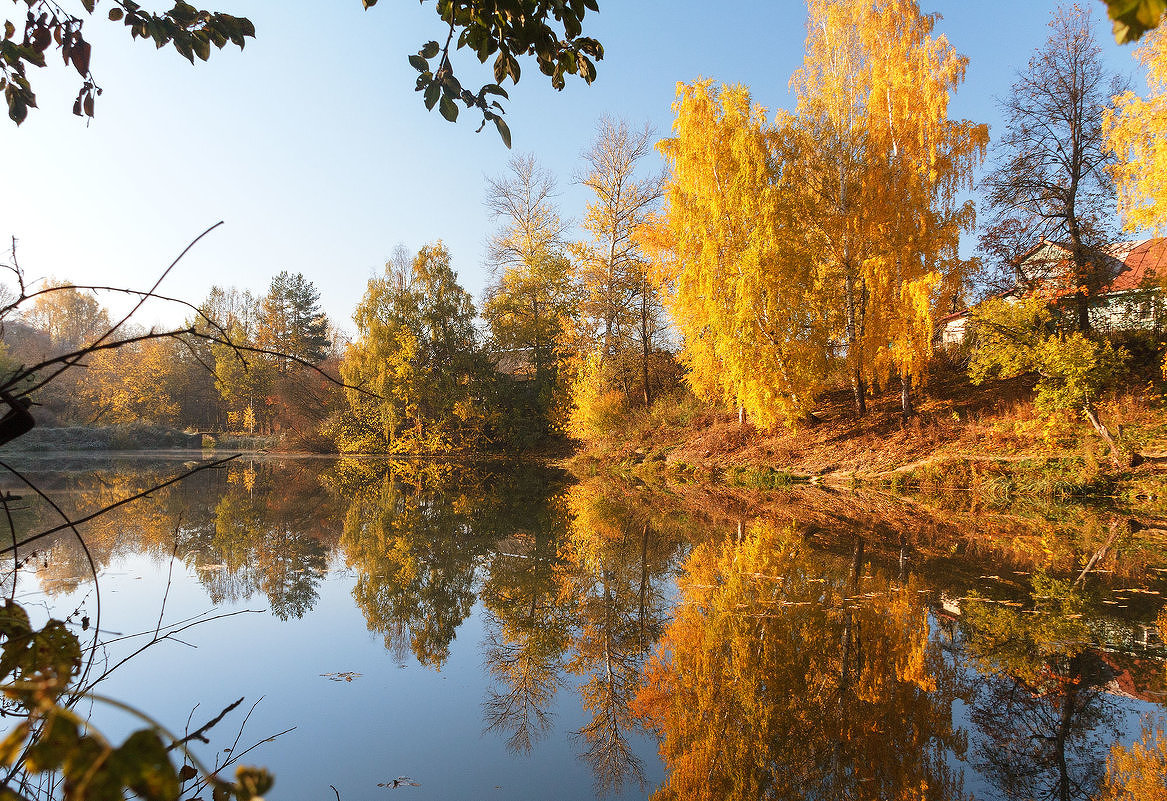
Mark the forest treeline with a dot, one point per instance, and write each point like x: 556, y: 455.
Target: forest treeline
x: 427, y: 371
x: 778, y: 256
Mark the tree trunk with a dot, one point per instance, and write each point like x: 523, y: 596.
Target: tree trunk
x: 1104, y: 432
x: 741, y: 415
x: 852, y: 335
x: 644, y: 348
x: 906, y: 410
x: 858, y: 390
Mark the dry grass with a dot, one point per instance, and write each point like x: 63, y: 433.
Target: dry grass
x: 955, y: 423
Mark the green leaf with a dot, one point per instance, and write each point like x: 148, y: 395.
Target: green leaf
x: 432, y: 93
x: 419, y: 63
x: 495, y: 89
x: 504, y: 131
x: 202, y: 47
x: 56, y: 742
x: 17, y: 108
x: 145, y: 766
x: 429, y: 50
x: 587, y: 70
x: 448, y: 108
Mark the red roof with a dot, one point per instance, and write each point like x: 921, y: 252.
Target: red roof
x: 1145, y: 261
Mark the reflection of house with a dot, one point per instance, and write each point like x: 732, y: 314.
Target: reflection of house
x: 1131, y: 297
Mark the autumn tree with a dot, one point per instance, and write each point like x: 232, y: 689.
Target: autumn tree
x: 620, y: 306
x: 832, y: 230
x: 1018, y: 338
x: 530, y: 300
x: 1052, y: 178
x: 244, y: 381
x: 884, y: 166
x: 133, y: 383
x: 1136, y: 131
x: 530, y: 303
x: 71, y: 317
x: 411, y: 371
x: 747, y: 303
x: 59, y: 319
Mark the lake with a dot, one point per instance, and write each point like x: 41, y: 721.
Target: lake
x: 508, y: 631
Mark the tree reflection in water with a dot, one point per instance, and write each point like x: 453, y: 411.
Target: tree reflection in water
x: 796, y: 657
x: 784, y: 676
x: 1042, y: 719
x: 271, y: 540
x: 408, y: 533
x: 617, y: 558
x: 527, y: 628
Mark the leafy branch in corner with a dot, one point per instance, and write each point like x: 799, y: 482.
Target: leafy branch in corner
x: 504, y: 30
x: 49, y: 25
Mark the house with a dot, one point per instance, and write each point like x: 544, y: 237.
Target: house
x: 1131, y: 298
x: 1134, y: 299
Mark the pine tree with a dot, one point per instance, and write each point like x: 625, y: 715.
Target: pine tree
x: 291, y: 322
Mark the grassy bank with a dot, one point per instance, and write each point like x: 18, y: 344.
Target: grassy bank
x: 985, y: 437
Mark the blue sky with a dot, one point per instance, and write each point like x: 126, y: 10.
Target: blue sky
x: 314, y: 149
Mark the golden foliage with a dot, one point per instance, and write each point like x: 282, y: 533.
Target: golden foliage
x: 839, y: 224
x: 1138, y: 773
x: 884, y: 166
x: 1136, y: 130
x: 776, y: 676
x: 748, y: 306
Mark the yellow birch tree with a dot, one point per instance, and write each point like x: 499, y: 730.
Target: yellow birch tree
x: 885, y: 166
x: 1136, y: 130
x: 746, y: 302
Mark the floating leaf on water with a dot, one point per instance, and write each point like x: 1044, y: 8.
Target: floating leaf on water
x: 347, y: 675
x: 400, y: 781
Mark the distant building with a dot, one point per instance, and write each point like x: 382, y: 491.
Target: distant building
x: 1131, y: 299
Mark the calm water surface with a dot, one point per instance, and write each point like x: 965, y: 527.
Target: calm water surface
x: 502, y: 632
